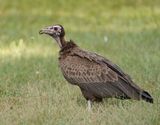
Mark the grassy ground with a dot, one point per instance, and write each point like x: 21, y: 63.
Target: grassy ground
x: 32, y: 89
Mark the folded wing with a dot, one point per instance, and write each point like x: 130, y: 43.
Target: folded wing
x: 98, y: 75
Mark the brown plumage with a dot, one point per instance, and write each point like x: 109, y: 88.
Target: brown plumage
x: 96, y: 76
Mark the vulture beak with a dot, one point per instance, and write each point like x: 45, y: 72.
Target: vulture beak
x: 45, y: 31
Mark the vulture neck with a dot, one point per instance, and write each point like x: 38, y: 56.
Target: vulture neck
x: 69, y: 46
x: 61, y: 41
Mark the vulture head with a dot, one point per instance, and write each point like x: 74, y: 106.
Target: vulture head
x: 56, y: 31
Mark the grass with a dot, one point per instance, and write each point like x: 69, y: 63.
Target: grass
x: 32, y: 89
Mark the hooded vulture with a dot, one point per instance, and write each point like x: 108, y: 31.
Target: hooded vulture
x: 96, y: 76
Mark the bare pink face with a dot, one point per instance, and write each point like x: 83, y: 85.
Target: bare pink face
x: 56, y: 31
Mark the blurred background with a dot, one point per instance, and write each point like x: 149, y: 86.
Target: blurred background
x: 32, y: 89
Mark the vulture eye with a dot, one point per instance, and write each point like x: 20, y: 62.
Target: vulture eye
x: 55, y: 28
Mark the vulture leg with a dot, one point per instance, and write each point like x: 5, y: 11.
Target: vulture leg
x: 89, y: 105
x: 90, y: 98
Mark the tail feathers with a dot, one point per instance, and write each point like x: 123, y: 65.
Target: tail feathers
x: 147, y: 97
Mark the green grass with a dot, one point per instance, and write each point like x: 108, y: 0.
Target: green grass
x: 32, y: 88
